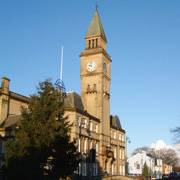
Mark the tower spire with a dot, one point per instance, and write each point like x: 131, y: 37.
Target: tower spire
x: 96, y: 27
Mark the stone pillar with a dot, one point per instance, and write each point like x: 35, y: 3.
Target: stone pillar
x: 4, y: 99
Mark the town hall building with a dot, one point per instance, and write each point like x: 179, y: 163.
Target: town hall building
x: 94, y: 128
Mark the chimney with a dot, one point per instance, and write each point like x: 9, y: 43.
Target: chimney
x: 5, y: 85
x: 4, y: 99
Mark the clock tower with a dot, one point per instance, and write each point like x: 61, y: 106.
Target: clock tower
x: 96, y: 78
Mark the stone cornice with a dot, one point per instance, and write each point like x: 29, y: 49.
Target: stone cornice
x: 18, y: 97
x: 95, y: 51
x: 85, y: 113
x: 121, y: 130
x: 94, y: 74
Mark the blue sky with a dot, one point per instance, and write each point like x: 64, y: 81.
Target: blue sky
x: 143, y: 42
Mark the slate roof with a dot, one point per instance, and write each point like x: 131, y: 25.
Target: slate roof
x: 73, y: 100
x: 10, y: 121
x: 151, y: 156
x: 115, y: 122
x: 96, y: 27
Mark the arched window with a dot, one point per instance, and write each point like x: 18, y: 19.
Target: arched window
x: 93, y: 43
x: 89, y: 44
x: 96, y: 42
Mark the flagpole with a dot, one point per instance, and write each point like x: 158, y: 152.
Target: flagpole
x: 61, y: 64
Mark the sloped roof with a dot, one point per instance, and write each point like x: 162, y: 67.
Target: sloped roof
x: 96, y: 27
x: 10, y: 121
x: 115, y: 122
x: 73, y: 100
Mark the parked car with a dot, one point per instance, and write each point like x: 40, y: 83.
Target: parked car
x: 174, y: 176
x: 164, y: 176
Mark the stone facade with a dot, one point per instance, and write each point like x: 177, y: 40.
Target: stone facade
x: 97, y: 129
x: 10, y: 112
x: 93, y: 126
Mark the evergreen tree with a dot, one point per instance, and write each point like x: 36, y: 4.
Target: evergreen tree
x: 41, y: 147
x: 145, y: 170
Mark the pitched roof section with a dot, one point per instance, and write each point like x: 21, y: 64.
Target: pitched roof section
x: 73, y: 100
x: 96, y: 27
x: 10, y: 121
x: 115, y: 122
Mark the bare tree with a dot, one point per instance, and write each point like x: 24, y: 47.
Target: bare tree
x: 176, y: 133
x: 139, y: 150
x: 168, y: 155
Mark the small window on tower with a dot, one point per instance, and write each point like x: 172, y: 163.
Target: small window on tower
x: 89, y: 44
x: 88, y: 88
x: 94, y: 87
x: 93, y: 43
x: 96, y: 42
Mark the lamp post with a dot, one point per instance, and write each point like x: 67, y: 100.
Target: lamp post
x: 159, y: 164
x: 127, y: 141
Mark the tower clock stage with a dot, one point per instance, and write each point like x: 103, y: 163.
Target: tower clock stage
x: 94, y: 127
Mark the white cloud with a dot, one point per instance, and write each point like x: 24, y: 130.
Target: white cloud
x: 160, y: 144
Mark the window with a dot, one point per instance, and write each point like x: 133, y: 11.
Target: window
x: 96, y: 130
x: 122, y: 137
x: 119, y: 136
x: 112, y: 169
x: 79, y: 145
x: 93, y: 43
x: 79, y: 169
x: 89, y: 43
x: 3, y: 150
x: 85, y: 123
x: 123, y: 170
x: 90, y: 126
x: 115, y: 152
x: 96, y: 42
x: 120, y: 170
x: 84, y: 169
x: 97, y: 148
x: 85, y: 146
x: 137, y: 165
x: 120, y: 154
x: 94, y: 87
x: 90, y: 144
x: 94, y: 169
x: 88, y: 88
x: 114, y: 134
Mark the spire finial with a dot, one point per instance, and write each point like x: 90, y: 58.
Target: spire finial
x: 96, y: 4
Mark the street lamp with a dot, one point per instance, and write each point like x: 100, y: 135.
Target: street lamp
x: 127, y: 141
x: 159, y: 165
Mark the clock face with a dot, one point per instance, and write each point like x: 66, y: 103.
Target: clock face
x: 91, y: 66
x: 105, y: 67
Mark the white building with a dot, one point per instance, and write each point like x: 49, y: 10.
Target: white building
x: 136, y: 163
